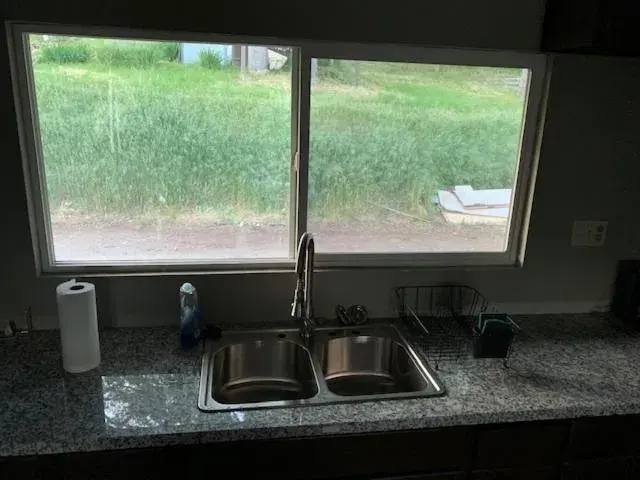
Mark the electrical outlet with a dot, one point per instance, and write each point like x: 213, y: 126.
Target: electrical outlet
x: 588, y: 233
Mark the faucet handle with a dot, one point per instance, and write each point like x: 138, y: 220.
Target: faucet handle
x: 359, y: 314
x: 354, y: 315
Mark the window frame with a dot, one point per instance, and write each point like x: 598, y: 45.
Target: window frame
x: 522, y: 190
x: 303, y: 53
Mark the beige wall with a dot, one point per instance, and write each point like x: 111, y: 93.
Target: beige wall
x: 588, y: 166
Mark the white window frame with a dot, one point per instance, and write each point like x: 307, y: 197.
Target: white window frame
x: 523, y: 184
x: 304, y: 52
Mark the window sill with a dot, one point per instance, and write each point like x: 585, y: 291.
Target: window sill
x: 286, y: 267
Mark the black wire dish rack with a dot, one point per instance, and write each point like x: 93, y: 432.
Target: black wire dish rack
x: 448, y: 315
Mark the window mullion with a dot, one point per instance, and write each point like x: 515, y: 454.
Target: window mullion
x: 300, y: 157
x: 31, y: 147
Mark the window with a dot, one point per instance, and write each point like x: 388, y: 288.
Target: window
x: 158, y: 150
x: 392, y: 143
x: 212, y: 152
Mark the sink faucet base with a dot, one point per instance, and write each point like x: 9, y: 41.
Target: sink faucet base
x: 302, y: 306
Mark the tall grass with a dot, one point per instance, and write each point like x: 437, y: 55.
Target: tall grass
x: 398, y: 146
x: 116, y: 53
x: 66, y: 53
x: 169, y: 136
x: 137, y: 55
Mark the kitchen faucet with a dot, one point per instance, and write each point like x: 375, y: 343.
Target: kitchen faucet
x: 302, y: 306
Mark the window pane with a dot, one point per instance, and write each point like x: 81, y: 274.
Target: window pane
x: 413, y: 157
x: 164, y: 150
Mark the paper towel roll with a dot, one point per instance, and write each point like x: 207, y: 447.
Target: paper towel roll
x: 78, y: 321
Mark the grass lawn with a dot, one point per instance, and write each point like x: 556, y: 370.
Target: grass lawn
x: 406, y: 131
x: 163, y: 136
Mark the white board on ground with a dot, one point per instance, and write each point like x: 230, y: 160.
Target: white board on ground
x: 470, y: 198
x: 454, y: 212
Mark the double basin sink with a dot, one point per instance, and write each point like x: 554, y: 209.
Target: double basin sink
x: 277, y: 368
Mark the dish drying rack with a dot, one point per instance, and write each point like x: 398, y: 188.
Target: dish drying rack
x: 446, y: 314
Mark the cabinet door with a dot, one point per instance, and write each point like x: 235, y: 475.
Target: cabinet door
x: 370, y: 456
x: 138, y: 464
x: 27, y: 468
x: 615, y: 469
x: 521, y: 445
x: 430, y: 476
x: 604, y: 437
x: 516, y: 474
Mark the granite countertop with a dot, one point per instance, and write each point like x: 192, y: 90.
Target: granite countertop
x: 145, y: 392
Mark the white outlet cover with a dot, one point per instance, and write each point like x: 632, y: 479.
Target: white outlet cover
x: 589, y: 233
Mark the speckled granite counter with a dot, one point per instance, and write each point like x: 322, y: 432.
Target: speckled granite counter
x: 145, y: 392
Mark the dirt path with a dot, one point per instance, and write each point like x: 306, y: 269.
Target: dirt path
x: 79, y: 238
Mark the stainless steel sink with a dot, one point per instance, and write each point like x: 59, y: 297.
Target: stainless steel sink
x: 371, y: 364
x: 276, y: 368
x: 266, y: 368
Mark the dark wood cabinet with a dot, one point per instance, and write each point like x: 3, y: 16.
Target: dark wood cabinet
x: 139, y: 464
x: 617, y: 468
x: 604, y: 27
x: 373, y: 455
x: 605, y: 438
x: 516, y: 474
x: 430, y: 476
x: 522, y: 445
x: 27, y: 468
x: 607, y: 447
x: 583, y: 449
x: 432, y: 454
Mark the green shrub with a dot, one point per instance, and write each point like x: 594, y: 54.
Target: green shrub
x: 76, y: 52
x: 210, y: 59
x: 169, y: 51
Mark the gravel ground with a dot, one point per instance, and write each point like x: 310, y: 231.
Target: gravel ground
x: 78, y: 238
